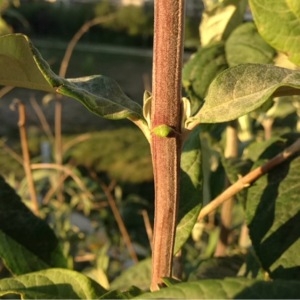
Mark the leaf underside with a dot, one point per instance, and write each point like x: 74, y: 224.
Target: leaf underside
x: 21, y: 65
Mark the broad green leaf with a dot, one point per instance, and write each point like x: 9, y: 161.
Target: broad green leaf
x: 52, y: 284
x: 190, y: 188
x: 245, y: 45
x: 200, y: 70
x: 18, y: 66
x: 27, y: 243
x: 219, y: 21
x: 21, y: 65
x: 229, y: 288
x: 244, y: 88
x: 138, y: 275
x: 278, y: 23
x: 273, y: 215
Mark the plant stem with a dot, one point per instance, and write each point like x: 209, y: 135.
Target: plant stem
x: 125, y: 235
x: 77, y: 36
x: 42, y: 118
x: 248, y: 179
x: 166, y: 110
x: 26, y: 157
x: 67, y: 171
x: 231, y: 151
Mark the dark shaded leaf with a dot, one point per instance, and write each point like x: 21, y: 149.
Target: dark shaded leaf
x: 218, y: 267
x: 200, y: 70
x: 273, y: 215
x: 27, y: 243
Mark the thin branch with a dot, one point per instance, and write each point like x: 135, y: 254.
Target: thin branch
x: 54, y: 188
x: 62, y: 72
x: 26, y: 157
x: 79, y: 139
x: 42, y: 118
x: 248, y: 179
x: 5, y: 90
x: 148, y: 226
x: 231, y: 151
x: 84, y: 28
x: 12, y: 153
x: 112, y: 203
x: 66, y: 170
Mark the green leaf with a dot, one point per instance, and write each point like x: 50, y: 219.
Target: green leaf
x: 21, y: 65
x: 229, y: 288
x: 219, y: 21
x: 245, y: 45
x: 279, y: 24
x: 18, y: 66
x: 244, y: 88
x: 273, y: 215
x: 27, y: 243
x: 138, y: 275
x: 52, y: 284
x: 200, y: 70
x: 190, y: 188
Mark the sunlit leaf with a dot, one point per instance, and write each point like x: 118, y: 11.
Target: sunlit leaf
x: 244, y: 88
x: 219, y: 21
x: 52, y: 284
x: 279, y: 24
x: 228, y: 288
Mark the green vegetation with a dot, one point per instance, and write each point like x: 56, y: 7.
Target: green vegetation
x: 225, y: 164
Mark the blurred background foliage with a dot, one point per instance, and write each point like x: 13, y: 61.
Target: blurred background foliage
x: 132, y: 26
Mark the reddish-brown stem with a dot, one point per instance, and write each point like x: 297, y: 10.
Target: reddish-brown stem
x: 248, y: 179
x: 166, y: 110
x: 26, y: 157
